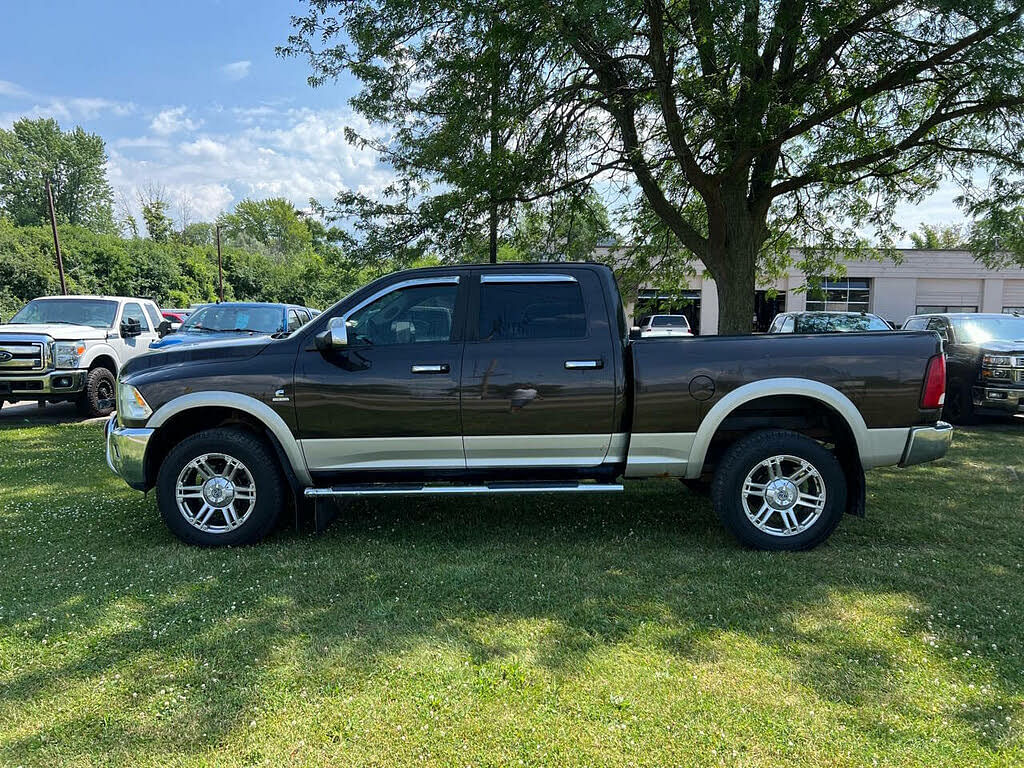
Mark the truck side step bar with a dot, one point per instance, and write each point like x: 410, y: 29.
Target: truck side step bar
x: 399, y: 489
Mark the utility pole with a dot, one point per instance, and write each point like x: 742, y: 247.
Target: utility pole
x: 220, y: 267
x: 56, y: 240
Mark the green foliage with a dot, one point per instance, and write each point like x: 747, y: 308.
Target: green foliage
x: 563, y: 227
x: 737, y: 125
x: 173, y: 272
x: 158, y: 222
x: 74, y: 161
x: 938, y: 237
x: 272, y: 223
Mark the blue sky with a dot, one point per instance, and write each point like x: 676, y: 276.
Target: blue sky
x: 191, y: 97
x: 188, y: 95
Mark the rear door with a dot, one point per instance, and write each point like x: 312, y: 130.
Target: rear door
x: 538, y: 380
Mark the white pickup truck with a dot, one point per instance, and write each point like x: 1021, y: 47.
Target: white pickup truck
x: 70, y: 348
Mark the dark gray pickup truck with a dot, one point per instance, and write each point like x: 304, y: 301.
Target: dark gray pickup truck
x: 519, y: 379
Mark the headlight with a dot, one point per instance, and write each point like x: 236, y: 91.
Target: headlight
x: 994, y: 361
x: 131, y: 404
x: 66, y: 354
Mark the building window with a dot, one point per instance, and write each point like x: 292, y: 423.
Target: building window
x: 938, y: 309
x: 848, y: 295
x: 1013, y: 310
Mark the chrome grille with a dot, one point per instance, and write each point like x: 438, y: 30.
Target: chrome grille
x: 22, y: 356
x: 1018, y: 362
x: 1018, y: 376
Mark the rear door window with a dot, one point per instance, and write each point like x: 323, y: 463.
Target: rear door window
x: 154, y: 316
x: 533, y: 307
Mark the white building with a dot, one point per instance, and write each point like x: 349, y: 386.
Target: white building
x: 922, y: 281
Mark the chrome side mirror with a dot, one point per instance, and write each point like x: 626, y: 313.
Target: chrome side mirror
x: 335, y: 337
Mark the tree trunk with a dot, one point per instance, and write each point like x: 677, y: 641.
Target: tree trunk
x: 732, y: 261
x: 735, y: 300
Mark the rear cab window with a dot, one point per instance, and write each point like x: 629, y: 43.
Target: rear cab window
x: 531, y: 306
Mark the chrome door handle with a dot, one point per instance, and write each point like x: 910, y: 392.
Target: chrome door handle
x: 573, y: 365
x: 433, y: 368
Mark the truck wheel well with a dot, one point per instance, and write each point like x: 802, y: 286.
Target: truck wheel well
x: 805, y: 415
x: 105, y: 361
x: 194, y: 420
x: 797, y: 413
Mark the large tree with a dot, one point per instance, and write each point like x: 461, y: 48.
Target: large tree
x: 33, y: 151
x: 734, y: 123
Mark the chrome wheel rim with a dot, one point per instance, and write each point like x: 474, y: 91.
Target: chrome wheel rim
x: 215, y: 492
x: 783, y: 495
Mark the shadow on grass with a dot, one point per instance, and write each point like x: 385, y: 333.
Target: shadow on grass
x: 545, y: 582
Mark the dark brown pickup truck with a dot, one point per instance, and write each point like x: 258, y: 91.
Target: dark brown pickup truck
x: 520, y: 378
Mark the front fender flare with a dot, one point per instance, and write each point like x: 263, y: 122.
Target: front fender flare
x: 250, y: 405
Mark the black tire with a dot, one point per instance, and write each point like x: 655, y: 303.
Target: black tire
x: 99, y: 389
x: 744, y: 456
x: 959, y: 408
x: 265, y: 480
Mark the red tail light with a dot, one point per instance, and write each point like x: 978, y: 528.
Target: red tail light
x: 934, y: 393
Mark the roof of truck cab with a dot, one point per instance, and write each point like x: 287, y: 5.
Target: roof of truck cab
x: 92, y: 296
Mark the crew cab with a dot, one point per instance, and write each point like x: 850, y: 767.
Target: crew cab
x: 520, y: 379
x: 985, y: 362
x: 70, y: 348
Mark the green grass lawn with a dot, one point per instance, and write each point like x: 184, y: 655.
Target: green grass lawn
x: 621, y: 630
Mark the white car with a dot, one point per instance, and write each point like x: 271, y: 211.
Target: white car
x: 70, y: 348
x: 665, y: 325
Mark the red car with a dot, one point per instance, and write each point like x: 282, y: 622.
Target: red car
x: 176, y: 318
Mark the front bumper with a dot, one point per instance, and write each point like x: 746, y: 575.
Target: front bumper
x: 998, y: 399
x: 927, y: 444
x: 126, y: 452
x: 55, y: 383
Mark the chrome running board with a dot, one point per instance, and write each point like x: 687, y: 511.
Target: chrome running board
x: 399, y: 489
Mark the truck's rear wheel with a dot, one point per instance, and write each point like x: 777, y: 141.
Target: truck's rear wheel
x: 220, y: 487
x: 959, y: 407
x: 97, y: 399
x: 779, y: 490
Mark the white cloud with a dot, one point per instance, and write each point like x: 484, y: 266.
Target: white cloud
x: 260, y: 152
x: 173, y: 120
x: 69, y: 109
x: 13, y: 90
x: 236, y: 70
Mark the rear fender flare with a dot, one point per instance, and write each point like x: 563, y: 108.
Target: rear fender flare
x: 766, y: 388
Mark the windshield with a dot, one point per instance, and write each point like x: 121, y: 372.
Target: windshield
x: 228, y: 317
x: 825, y: 323
x: 980, y: 329
x: 99, y: 313
x: 669, y: 321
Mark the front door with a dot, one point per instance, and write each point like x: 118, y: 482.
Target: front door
x: 129, y: 347
x: 538, y: 381
x: 389, y: 400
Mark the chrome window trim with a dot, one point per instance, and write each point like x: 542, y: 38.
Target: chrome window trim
x: 411, y: 283
x: 545, y: 277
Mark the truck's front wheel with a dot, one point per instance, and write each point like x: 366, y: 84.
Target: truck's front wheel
x: 779, y: 490
x: 220, y: 487
x: 97, y: 399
